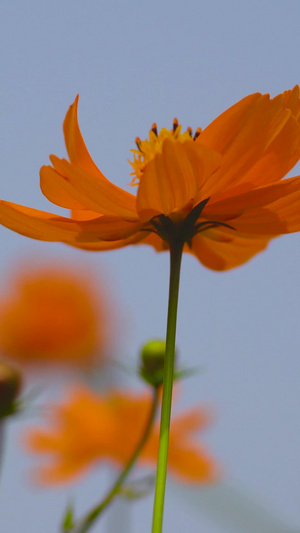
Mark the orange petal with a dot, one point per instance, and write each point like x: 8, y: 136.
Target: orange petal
x: 76, y: 148
x: 190, y: 463
x: 279, y: 217
x: 58, y: 189
x: 243, y: 134
x: 232, y: 207
x: 60, y: 471
x: 109, y: 228
x: 291, y: 100
x: 218, y: 254
x: 221, y: 133
x: 80, y: 158
x: 83, y: 214
x: 42, y: 442
x: 157, y: 242
x: 190, y: 422
x: 279, y: 158
x: 47, y: 227
x: 98, y: 195
x: 268, y: 211
x: 100, y: 245
x: 172, y: 179
x: 106, y: 245
x: 37, y: 224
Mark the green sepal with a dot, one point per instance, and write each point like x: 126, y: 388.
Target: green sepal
x: 14, y: 408
x: 185, y: 373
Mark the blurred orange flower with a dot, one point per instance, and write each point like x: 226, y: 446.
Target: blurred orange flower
x: 221, y: 190
x: 89, y: 428
x: 52, y: 315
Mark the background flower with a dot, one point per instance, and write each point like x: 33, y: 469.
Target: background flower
x: 55, y: 314
x: 89, y: 428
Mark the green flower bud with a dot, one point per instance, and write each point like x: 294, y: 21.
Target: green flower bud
x: 10, y: 386
x: 152, y: 362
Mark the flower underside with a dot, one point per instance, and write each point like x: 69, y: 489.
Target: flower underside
x: 147, y: 149
x: 183, y: 230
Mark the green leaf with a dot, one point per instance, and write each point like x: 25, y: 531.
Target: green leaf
x: 68, y: 520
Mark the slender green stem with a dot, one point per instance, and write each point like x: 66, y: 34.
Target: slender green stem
x: 176, y: 248
x: 90, y: 518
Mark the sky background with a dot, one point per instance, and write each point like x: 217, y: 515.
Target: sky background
x: 134, y: 63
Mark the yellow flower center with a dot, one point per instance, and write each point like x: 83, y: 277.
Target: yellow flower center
x: 147, y: 149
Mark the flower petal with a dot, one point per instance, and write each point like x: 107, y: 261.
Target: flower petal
x: 236, y: 205
x: 83, y: 214
x: 244, y: 134
x: 188, y: 423
x: 137, y: 238
x: 279, y: 158
x: 191, y: 463
x: 69, y: 185
x: 76, y: 148
x: 173, y: 178
x: 58, y: 190
x: 80, y: 157
x: 291, y: 100
x: 60, y: 471
x: 47, y: 227
x: 220, y: 254
x: 279, y: 217
x: 269, y: 211
x: 37, y: 224
x: 102, y: 246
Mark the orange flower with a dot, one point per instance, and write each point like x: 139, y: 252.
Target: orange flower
x: 52, y: 316
x: 90, y: 428
x: 222, y: 190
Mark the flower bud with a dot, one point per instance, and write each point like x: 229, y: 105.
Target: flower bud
x: 10, y: 386
x: 152, y: 362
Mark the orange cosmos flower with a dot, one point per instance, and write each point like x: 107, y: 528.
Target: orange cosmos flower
x: 90, y: 428
x: 53, y: 316
x: 221, y: 191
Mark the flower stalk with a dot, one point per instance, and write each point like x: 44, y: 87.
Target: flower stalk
x: 176, y: 248
x: 87, y: 522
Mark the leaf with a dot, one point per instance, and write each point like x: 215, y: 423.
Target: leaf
x: 68, y: 520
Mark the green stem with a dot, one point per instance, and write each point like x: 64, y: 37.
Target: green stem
x: 176, y: 248
x: 90, y: 518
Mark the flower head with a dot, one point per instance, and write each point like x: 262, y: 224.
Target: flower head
x: 90, y: 428
x: 220, y: 191
x: 52, y: 316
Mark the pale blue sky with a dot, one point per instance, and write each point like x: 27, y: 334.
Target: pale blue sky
x: 134, y: 63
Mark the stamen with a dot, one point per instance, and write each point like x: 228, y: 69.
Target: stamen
x: 138, y: 142
x: 197, y: 133
x: 175, y: 124
x: 148, y: 148
x: 154, y: 128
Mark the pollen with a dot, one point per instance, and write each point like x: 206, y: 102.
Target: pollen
x: 146, y: 150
